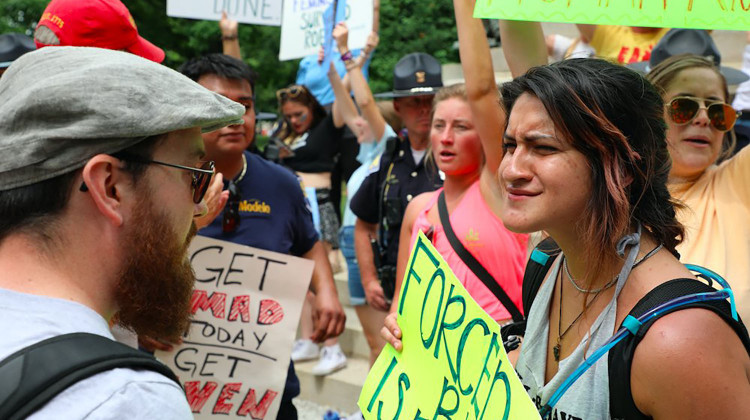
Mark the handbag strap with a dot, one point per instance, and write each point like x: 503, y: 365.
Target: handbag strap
x: 475, y: 266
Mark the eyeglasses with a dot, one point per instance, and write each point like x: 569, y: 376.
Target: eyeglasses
x: 683, y: 110
x: 201, y: 176
x: 290, y: 92
x: 232, y: 210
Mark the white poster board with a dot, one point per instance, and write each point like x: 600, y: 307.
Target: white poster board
x: 302, y: 26
x: 246, y: 304
x: 256, y: 12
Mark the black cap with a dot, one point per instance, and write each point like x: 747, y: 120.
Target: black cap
x: 689, y: 41
x: 415, y: 74
x: 12, y: 46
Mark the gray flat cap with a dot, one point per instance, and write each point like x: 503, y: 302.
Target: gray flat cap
x: 60, y: 106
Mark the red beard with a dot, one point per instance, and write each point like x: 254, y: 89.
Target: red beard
x: 157, y: 281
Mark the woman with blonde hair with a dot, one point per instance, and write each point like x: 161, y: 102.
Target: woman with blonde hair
x: 474, y: 235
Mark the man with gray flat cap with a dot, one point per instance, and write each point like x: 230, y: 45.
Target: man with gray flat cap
x: 101, y: 174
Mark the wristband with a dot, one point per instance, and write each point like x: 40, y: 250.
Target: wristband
x: 347, y: 56
x: 229, y: 37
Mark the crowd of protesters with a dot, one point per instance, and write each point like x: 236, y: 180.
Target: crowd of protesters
x: 625, y: 154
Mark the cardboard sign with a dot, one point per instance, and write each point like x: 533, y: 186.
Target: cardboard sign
x: 303, y: 30
x: 246, y: 306
x: 700, y: 14
x: 257, y: 12
x: 453, y: 364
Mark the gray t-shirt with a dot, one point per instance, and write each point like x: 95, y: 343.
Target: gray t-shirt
x: 115, y: 394
x: 588, y: 397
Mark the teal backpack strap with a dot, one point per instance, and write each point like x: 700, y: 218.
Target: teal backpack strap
x: 34, y: 375
x: 621, y: 404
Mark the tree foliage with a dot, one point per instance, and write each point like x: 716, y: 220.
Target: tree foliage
x: 405, y: 26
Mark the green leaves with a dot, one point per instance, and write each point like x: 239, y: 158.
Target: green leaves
x: 405, y: 26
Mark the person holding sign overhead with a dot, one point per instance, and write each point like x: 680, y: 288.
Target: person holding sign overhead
x: 585, y: 159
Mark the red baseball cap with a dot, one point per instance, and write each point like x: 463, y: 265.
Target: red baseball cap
x: 97, y: 23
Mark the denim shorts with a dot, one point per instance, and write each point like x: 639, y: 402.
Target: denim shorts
x: 356, y: 291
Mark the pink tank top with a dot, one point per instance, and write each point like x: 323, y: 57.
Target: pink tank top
x: 500, y: 251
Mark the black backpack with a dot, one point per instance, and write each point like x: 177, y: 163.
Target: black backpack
x: 32, y: 376
x: 620, y: 357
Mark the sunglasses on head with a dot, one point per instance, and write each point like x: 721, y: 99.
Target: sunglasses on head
x: 290, y: 92
x: 232, y: 210
x: 682, y: 110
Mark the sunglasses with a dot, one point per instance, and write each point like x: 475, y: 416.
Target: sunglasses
x: 232, y: 210
x: 201, y: 176
x: 289, y: 93
x: 683, y: 110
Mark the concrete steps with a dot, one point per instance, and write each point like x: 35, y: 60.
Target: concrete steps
x: 339, y: 390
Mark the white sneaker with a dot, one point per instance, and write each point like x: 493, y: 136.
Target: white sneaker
x: 331, y: 360
x: 355, y: 416
x: 304, y: 349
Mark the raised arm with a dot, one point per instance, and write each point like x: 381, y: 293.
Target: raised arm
x: 523, y: 45
x: 343, y: 109
x: 229, y: 40
x: 361, y: 89
x: 479, y: 76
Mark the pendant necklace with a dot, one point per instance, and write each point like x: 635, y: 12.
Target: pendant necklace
x: 556, y: 348
x: 595, y: 292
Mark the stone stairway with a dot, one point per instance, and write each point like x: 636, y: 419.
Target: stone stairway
x: 339, y: 390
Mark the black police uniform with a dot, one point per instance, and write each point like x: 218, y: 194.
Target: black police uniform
x: 385, y: 193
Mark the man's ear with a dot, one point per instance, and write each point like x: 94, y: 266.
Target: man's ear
x: 105, y: 183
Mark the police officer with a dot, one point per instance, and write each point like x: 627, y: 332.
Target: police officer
x: 401, y: 174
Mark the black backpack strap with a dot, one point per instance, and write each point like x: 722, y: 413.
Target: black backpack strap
x: 475, y: 266
x: 539, y: 263
x: 32, y: 376
x: 621, y: 402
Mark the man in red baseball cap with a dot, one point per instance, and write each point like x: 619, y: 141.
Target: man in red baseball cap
x: 93, y: 23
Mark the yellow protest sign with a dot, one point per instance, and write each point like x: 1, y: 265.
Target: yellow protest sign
x: 701, y: 14
x: 453, y: 364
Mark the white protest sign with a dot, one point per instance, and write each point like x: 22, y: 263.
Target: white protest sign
x: 257, y: 12
x: 246, y: 304
x: 302, y: 25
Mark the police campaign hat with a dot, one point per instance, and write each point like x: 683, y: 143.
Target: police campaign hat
x: 415, y: 74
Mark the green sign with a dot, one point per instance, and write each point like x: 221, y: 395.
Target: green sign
x: 453, y: 364
x: 698, y: 14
